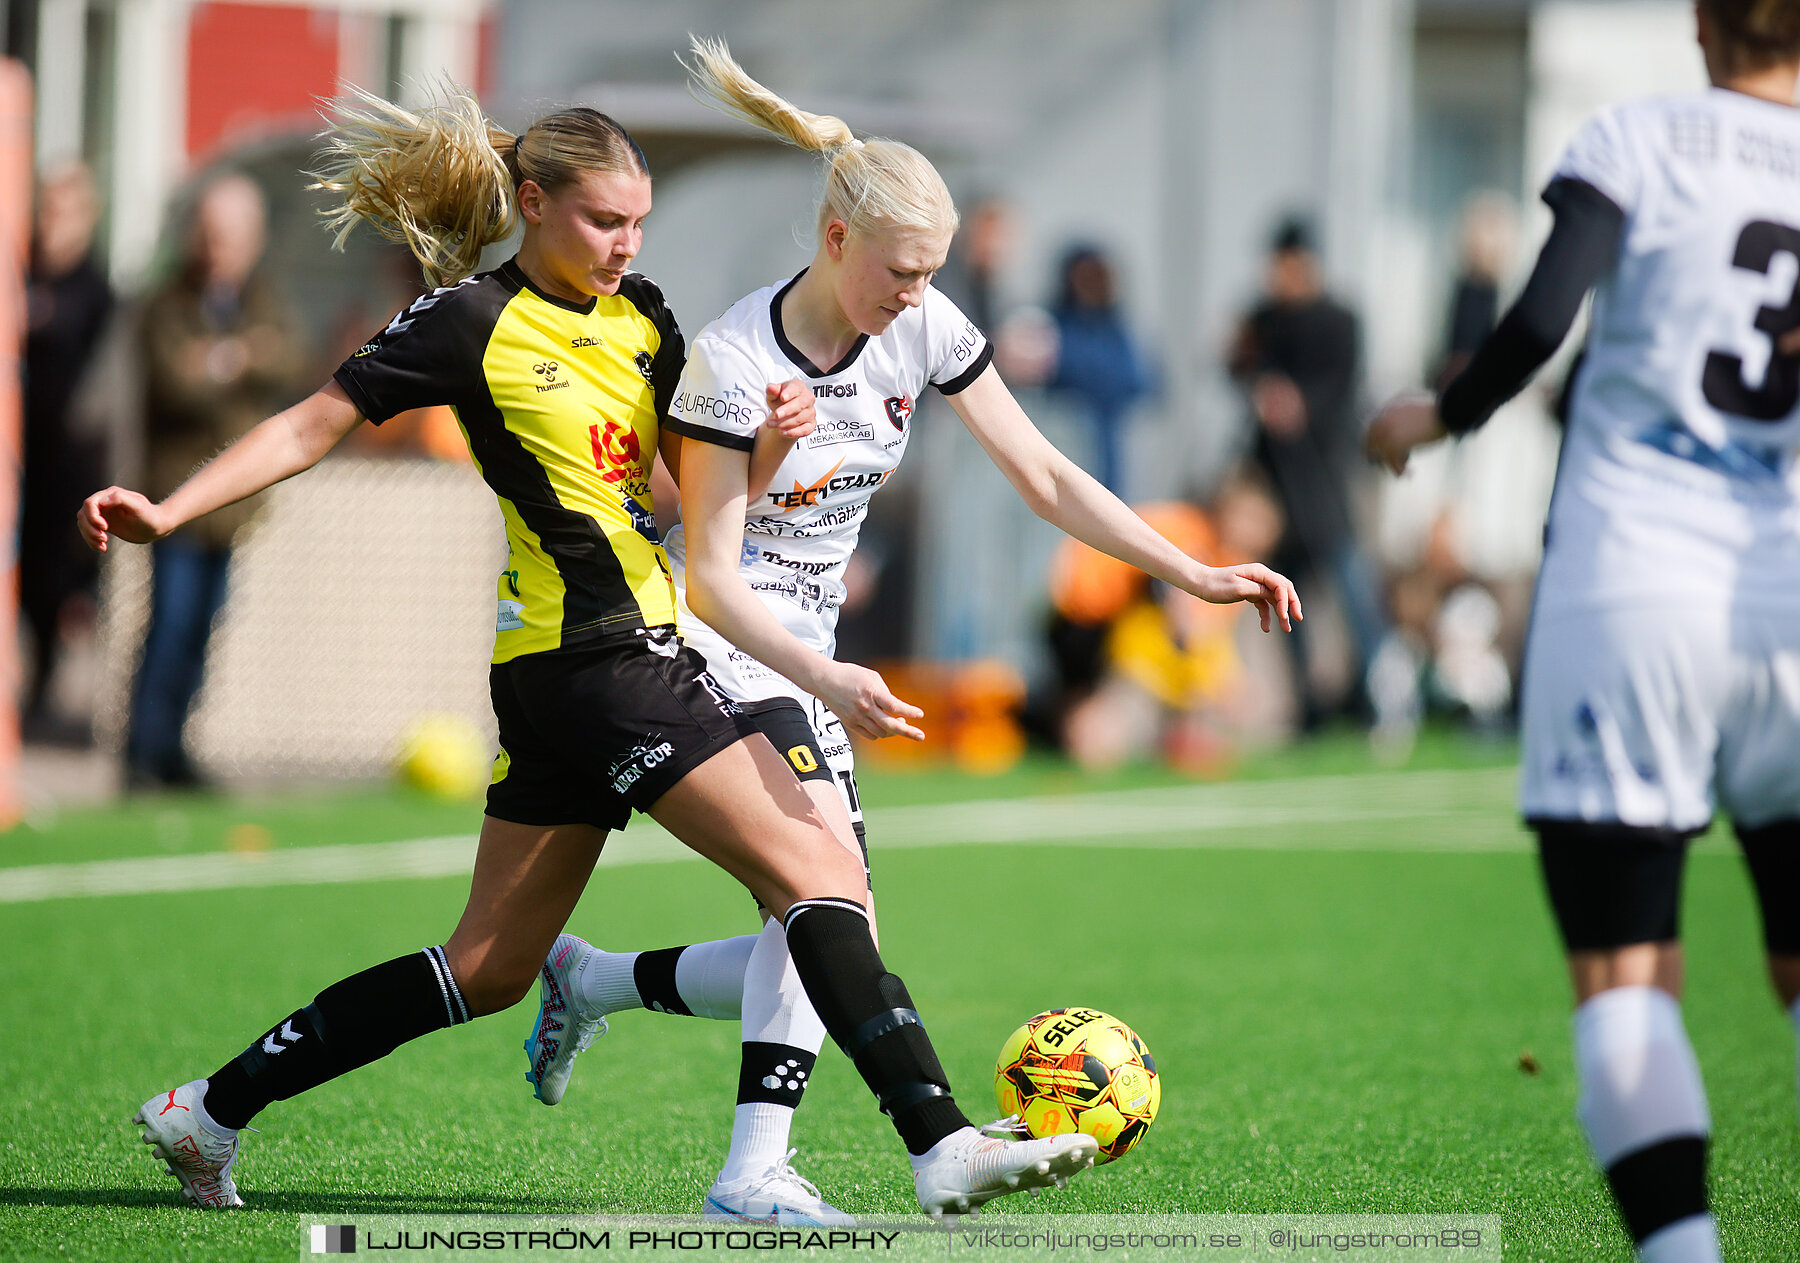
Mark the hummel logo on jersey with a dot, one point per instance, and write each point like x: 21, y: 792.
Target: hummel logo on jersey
x: 899, y: 410
x: 583, y: 340
x: 287, y: 1032
x: 547, y: 369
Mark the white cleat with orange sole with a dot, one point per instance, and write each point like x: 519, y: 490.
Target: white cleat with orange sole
x: 197, y: 1151
x: 967, y: 1169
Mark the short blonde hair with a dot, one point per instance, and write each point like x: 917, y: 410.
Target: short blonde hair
x: 444, y: 180
x: 868, y: 184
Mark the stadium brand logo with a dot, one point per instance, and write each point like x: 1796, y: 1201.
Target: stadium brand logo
x: 899, y: 410
x: 333, y: 1239
x: 835, y: 390
x: 548, y: 370
x: 583, y: 340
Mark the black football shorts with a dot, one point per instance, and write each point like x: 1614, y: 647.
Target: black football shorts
x: 588, y: 734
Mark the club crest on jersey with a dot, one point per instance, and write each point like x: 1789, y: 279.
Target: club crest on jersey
x: 899, y: 410
x: 642, y: 360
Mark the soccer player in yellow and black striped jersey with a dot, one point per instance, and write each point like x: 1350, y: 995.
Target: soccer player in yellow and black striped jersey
x: 559, y: 365
x: 560, y: 401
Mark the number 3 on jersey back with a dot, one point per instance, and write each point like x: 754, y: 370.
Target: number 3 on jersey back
x: 1723, y: 381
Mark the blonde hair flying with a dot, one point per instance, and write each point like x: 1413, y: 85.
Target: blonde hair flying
x: 444, y: 179
x: 868, y: 184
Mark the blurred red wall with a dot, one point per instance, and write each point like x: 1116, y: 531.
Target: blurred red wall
x: 256, y: 68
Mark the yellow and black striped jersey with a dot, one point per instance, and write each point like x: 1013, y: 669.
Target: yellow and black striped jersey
x: 561, y: 403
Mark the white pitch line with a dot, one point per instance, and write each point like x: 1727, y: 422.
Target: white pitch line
x: 1328, y: 813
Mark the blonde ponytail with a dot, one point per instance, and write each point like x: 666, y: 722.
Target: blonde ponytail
x: 444, y: 180
x: 868, y: 184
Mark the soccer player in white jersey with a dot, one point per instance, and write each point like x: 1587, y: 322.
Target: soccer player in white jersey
x: 760, y: 564
x: 1662, y: 671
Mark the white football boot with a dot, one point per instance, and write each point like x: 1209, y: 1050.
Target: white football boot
x: 197, y: 1151
x: 564, y: 1029
x: 967, y: 1169
x: 780, y: 1195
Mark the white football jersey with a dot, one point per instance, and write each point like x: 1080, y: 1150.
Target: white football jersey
x: 800, y: 533
x: 1679, y: 465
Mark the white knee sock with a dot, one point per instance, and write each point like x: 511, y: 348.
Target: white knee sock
x: 782, y: 1037
x: 710, y: 976
x: 702, y: 979
x: 1643, y: 1108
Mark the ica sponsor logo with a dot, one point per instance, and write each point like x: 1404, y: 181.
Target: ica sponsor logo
x: 617, y: 453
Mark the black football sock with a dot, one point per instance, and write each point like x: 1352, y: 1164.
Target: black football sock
x: 350, y: 1023
x: 654, y: 974
x: 871, y: 1017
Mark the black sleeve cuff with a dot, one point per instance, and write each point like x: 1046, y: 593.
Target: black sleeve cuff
x: 965, y: 379
x: 358, y: 396
x: 706, y: 434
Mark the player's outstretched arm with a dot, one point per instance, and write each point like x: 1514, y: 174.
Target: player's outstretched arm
x: 1062, y: 493
x: 278, y: 448
x: 713, y: 483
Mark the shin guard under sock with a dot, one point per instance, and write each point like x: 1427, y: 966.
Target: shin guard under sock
x: 349, y: 1024
x: 870, y: 1016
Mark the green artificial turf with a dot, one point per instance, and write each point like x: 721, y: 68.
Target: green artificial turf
x: 1336, y: 1032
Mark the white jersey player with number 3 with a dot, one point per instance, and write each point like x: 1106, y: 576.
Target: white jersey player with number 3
x: 768, y: 525
x: 1662, y: 672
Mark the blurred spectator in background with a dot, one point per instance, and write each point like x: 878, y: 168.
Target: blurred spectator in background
x: 1297, y: 356
x: 1489, y: 237
x: 1145, y: 669
x: 68, y: 302
x: 220, y: 353
x: 978, y: 257
x: 1096, y: 360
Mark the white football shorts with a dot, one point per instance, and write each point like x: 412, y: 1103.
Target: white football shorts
x: 1654, y: 714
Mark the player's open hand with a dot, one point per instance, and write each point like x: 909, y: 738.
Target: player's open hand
x: 1272, y: 594
x: 133, y: 517
x: 791, y: 409
x: 1408, y: 421
x: 860, y: 697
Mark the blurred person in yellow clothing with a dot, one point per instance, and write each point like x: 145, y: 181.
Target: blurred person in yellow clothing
x: 1147, y: 668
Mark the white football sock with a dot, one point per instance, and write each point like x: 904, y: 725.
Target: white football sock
x: 776, y: 1011
x: 710, y: 976
x: 1691, y: 1240
x: 607, y: 984
x: 1640, y: 1088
